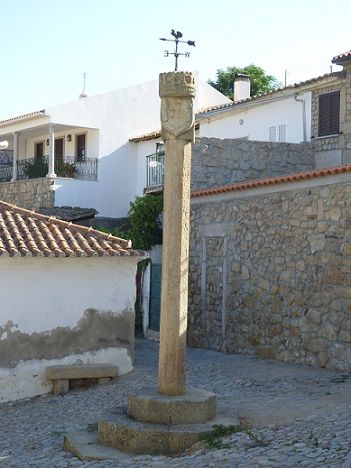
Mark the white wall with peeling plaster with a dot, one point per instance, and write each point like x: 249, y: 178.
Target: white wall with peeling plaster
x: 42, y: 296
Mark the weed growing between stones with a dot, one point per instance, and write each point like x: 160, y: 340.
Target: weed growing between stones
x: 214, y: 439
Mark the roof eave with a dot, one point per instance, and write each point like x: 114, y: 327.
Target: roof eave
x: 276, y: 94
x: 22, y: 118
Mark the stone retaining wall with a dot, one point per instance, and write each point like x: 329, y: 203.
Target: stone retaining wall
x: 270, y: 275
x: 31, y: 194
x: 218, y: 161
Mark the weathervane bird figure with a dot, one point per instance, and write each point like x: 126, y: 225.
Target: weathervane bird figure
x: 177, y: 36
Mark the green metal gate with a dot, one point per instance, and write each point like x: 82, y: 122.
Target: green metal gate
x: 155, y: 297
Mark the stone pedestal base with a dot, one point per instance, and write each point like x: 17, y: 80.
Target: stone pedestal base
x: 123, y: 433
x: 153, y: 424
x: 196, y: 406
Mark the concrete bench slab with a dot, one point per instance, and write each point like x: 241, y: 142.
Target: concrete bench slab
x: 61, y: 375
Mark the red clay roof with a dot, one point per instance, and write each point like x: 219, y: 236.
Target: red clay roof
x: 250, y: 184
x: 23, y: 117
x: 153, y: 135
x: 146, y: 136
x: 27, y: 233
x: 342, y: 57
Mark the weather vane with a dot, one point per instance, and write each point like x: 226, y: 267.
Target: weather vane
x: 177, y: 35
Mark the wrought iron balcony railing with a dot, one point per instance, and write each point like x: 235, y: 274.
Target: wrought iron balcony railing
x: 155, y: 169
x: 33, y: 168
x: 5, y: 172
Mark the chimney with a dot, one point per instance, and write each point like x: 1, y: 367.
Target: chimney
x: 241, y: 87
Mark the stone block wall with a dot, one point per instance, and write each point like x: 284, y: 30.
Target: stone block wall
x: 31, y: 194
x: 218, y: 161
x: 271, y: 275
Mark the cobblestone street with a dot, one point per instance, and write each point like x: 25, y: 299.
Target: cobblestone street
x: 299, y: 416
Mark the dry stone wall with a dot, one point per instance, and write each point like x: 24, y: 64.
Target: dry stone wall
x: 218, y: 161
x: 271, y: 275
x: 30, y: 194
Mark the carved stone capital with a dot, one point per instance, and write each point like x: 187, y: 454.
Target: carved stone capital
x: 177, y: 92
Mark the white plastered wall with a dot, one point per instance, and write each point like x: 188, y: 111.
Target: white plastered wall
x: 253, y: 121
x: 42, y: 294
x: 119, y: 115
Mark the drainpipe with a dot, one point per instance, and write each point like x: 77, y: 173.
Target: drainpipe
x: 304, y: 132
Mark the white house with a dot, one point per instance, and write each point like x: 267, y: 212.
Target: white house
x: 67, y: 297
x: 83, y: 147
x: 315, y: 111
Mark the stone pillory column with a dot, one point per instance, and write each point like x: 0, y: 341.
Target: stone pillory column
x: 172, y: 418
x: 177, y: 92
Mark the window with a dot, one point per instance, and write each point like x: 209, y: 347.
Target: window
x: 272, y: 133
x: 277, y: 133
x: 80, y: 148
x: 282, y: 133
x: 328, y: 113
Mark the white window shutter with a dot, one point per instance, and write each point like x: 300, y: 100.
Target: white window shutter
x: 272, y: 133
x: 282, y: 133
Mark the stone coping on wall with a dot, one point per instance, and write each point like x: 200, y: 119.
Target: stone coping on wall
x: 323, y: 176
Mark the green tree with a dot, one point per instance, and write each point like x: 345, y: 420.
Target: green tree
x: 144, y: 218
x: 260, y: 81
x: 143, y: 222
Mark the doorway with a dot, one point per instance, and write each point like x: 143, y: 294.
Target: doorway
x: 59, y: 151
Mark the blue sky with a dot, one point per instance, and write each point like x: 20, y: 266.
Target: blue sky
x: 47, y: 45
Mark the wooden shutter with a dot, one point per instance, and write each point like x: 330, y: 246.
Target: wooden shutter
x: 272, y: 133
x: 329, y: 111
x: 282, y: 133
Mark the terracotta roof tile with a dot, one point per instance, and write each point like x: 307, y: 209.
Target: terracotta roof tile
x: 250, y: 184
x: 342, y: 57
x: 153, y: 135
x: 27, y: 233
x: 146, y: 136
x: 40, y: 113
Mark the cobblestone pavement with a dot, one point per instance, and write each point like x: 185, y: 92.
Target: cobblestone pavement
x: 299, y: 416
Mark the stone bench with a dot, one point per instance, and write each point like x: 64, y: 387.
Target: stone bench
x: 62, y: 375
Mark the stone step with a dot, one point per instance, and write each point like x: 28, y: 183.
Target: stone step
x: 195, y: 406
x: 119, y: 431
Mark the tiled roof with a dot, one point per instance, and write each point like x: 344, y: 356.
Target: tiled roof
x: 250, y: 184
x: 39, y: 113
x: 342, y: 57
x: 153, y: 135
x: 69, y: 213
x: 146, y: 136
x: 270, y: 93
x: 27, y: 233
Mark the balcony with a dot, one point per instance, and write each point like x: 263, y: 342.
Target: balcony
x: 154, y: 172
x: 33, y: 168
